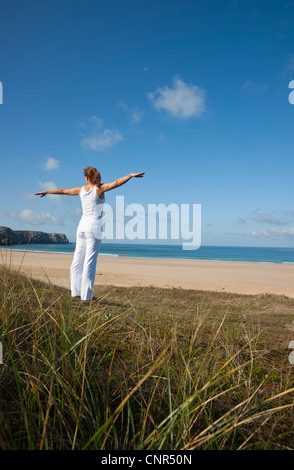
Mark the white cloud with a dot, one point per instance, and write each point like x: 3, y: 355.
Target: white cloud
x: 134, y: 114
x: 98, y: 121
x: 98, y: 137
x: 106, y: 139
x: 275, y: 233
x: 50, y: 185
x: 28, y: 196
x: 260, y: 216
x: 32, y: 217
x: 51, y: 164
x: 181, y: 100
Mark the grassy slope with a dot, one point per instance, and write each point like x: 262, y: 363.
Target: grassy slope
x: 143, y: 368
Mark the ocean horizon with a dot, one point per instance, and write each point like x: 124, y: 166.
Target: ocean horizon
x: 279, y: 255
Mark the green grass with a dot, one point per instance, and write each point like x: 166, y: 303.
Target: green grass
x: 143, y: 368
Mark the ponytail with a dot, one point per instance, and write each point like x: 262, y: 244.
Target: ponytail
x: 93, y: 175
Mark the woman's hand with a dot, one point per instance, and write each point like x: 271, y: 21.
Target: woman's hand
x: 120, y: 181
x: 138, y: 175
x: 42, y: 193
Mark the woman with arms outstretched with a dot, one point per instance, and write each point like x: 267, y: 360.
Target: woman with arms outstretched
x: 88, y: 239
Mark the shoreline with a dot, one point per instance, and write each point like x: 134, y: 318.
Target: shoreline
x: 242, y: 277
x: 152, y: 257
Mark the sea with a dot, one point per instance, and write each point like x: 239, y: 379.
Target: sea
x: 135, y: 250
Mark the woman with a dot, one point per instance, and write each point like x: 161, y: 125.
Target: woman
x: 88, y: 240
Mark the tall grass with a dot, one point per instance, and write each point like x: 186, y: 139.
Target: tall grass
x: 111, y: 375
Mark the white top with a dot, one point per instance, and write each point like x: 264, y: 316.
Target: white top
x: 92, y: 207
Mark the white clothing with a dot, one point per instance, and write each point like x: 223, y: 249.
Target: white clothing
x: 88, y: 241
x: 83, y: 268
x: 92, y: 206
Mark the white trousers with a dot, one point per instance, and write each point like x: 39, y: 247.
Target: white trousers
x: 83, y: 267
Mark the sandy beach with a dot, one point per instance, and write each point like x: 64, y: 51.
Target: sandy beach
x: 221, y: 276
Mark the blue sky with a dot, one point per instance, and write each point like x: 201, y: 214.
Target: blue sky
x: 195, y: 93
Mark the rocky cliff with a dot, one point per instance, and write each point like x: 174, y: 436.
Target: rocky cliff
x: 23, y: 237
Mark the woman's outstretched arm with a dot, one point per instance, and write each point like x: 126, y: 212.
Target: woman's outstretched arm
x: 120, y: 181
x: 69, y: 192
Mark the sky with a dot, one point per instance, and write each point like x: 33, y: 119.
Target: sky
x: 194, y: 93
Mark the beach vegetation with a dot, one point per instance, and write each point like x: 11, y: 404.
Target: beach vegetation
x: 143, y: 368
